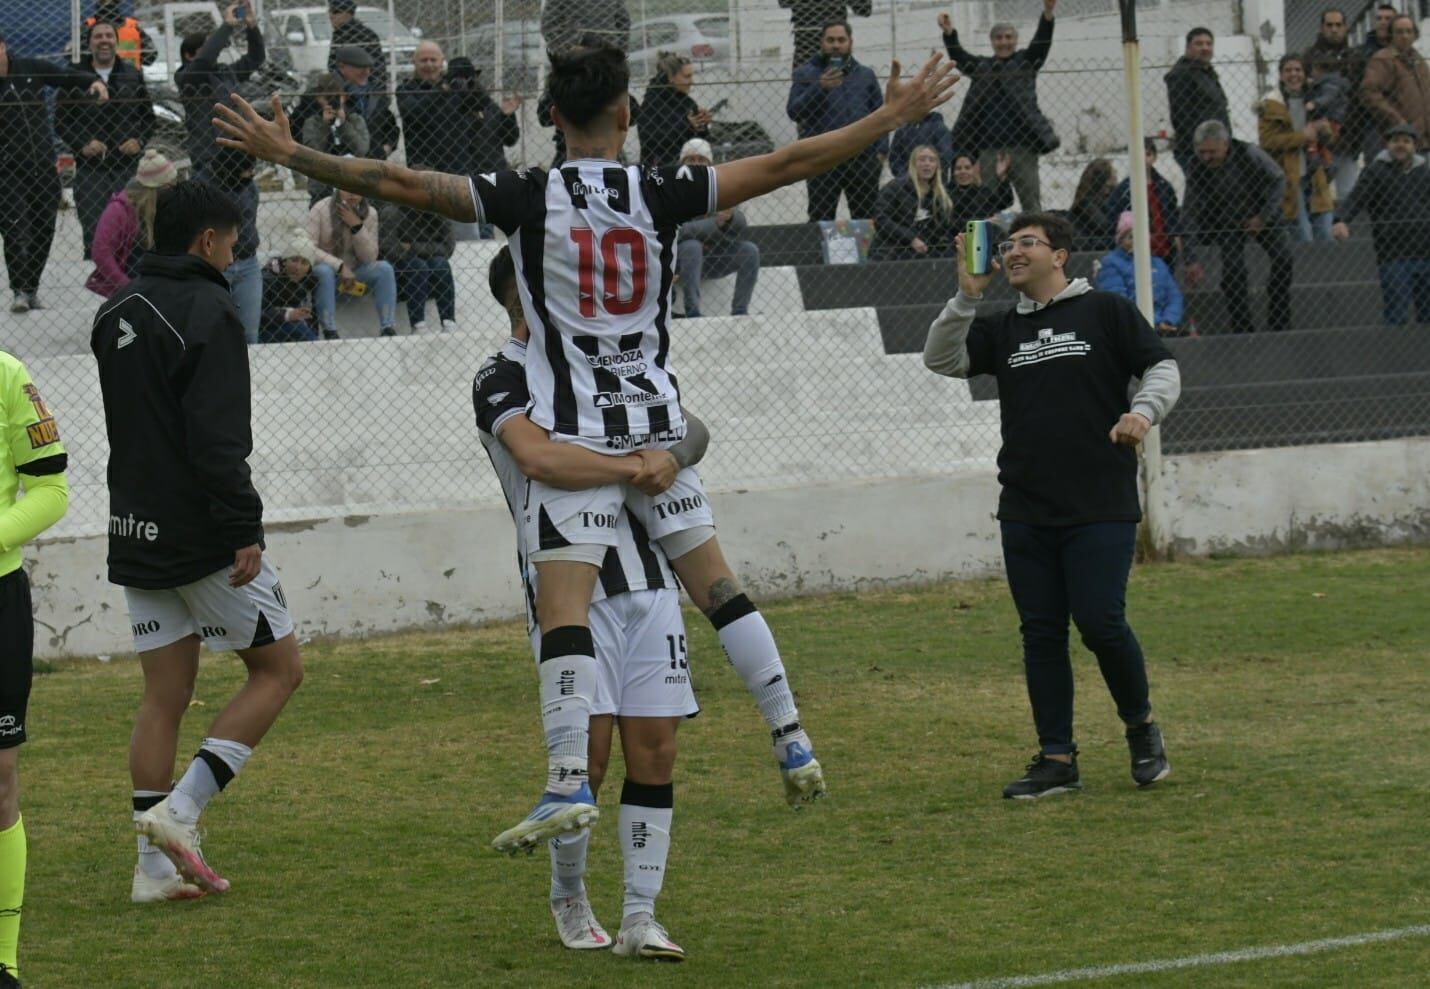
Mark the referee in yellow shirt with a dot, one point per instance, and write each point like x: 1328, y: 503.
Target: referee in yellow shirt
x: 30, y: 457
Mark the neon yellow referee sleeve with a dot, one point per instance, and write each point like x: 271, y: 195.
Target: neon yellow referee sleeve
x: 47, y: 496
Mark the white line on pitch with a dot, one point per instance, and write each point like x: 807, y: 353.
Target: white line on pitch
x: 1194, y: 961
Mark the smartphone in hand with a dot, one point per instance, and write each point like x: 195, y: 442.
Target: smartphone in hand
x: 719, y: 105
x: 978, y: 247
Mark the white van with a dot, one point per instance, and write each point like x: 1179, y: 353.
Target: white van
x: 308, y: 35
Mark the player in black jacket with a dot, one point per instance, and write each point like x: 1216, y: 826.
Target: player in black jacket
x: 186, y: 526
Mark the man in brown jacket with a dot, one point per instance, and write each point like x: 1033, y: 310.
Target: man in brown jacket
x: 1396, y: 88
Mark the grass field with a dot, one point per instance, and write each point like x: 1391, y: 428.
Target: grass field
x: 1292, y: 691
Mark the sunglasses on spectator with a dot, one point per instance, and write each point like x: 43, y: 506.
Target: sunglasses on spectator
x: 1024, y: 243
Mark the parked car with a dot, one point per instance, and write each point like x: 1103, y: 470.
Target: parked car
x: 307, y: 35
x: 168, y: 23
x: 700, y: 37
x: 523, y: 53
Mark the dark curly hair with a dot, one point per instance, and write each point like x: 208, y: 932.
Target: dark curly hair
x: 587, y: 79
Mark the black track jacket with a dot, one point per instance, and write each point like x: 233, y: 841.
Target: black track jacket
x: 173, y: 368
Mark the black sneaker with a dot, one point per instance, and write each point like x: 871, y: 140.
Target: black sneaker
x: 7, y: 978
x: 330, y: 335
x: 1045, y: 777
x: 387, y: 331
x: 1149, y: 755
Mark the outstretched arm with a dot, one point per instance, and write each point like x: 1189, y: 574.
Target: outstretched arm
x: 240, y: 126
x: 562, y: 465
x: 904, y: 103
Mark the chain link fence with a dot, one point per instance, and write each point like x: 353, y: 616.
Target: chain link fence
x: 820, y: 379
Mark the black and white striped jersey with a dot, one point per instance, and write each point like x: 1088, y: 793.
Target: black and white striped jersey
x: 635, y: 563
x: 594, y: 247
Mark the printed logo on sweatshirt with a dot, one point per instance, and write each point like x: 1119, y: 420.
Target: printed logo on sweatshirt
x: 1049, y: 345
x: 45, y: 431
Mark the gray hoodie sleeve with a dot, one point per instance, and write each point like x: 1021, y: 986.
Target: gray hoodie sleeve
x: 946, y: 349
x: 1161, y: 387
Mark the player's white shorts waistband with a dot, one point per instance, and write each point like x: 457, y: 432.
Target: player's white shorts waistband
x: 642, y: 666
x: 226, y: 617
x: 554, y: 519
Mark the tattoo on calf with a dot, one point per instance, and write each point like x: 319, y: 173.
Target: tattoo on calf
x: 722, y: 592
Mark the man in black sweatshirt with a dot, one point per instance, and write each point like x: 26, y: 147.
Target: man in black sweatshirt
x: 186, y: 526
x: 203, y: 80
x: 29, y: 185
x: 1063, y: 359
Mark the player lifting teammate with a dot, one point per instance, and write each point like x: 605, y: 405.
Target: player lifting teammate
x: 186, y: 527
x: 642, y: 674
x: 593, y: 244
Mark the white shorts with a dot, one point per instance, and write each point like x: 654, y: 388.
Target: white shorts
x: 554, y: 518
x: 228, y: 618
x: 642, y: 667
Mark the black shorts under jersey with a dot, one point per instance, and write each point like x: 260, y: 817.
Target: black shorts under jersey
x: 17, y: 656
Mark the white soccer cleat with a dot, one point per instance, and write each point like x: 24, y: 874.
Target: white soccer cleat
x: 647, y: 939
x: 577, y: 925
x: 803, y: 776
x: 180, y: 842
x: 554, y: 814
x: 147, y: 889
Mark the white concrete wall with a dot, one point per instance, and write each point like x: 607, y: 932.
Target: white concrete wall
x: 364, y: 574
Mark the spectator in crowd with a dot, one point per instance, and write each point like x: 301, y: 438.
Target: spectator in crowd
x: 931, y: 131
x: 419, y: 246
x: 126, y: 227
x: 288, y: 288
x: 1164, y: 213
x: 712, y: 247
x: 350, y: 32
x: 1379, y: 36
x: 972, y: 200
x: 1194, y: 94
x: 1116, y: 273
x: 914, y: 218
x: 565, y: 22
x: 29, y: 184
x: 330, y: 128
x: 1396, y: 87
x: 669, y: 114
x: 1394, y: 190
x: 452, y: 123
x: 232, y: 171
x: 1289, y: 137
x: 356, y: 70
x: 1000, y: 114
x: 1088, y: 213
x: 1331, y: 54
x: 830, y: 91
x: 132, y: 43
x: 808, y: 17
x: 1234, y: 195
x: 203, y: 80
x: 106, y: 138
x: 344, y: 230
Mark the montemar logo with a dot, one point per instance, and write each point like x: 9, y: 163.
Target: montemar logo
x: 611, y: 399
x: 1049, y: 345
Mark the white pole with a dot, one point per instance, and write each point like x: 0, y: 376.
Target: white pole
x: 76, y: 16
x: 499, y: 55
x: 1157, y: 529
x: 462, y: 27
x: 391, y: 50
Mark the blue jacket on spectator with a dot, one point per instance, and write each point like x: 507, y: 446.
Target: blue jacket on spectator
x: 817, y: 111
x: 1116, y: 274
x: 931, y: 131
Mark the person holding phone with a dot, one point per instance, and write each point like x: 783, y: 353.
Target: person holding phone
x: 1063, y: 358
x: 203, y: 80
x: 830, y: 91
x: 331, y: 127
x: 670, y: 116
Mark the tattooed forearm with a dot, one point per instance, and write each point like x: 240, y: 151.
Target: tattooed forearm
x: 448, y: 195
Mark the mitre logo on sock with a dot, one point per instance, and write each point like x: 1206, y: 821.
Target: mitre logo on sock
x: 640, y: 833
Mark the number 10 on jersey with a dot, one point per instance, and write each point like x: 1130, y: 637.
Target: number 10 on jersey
x: 612, y: 242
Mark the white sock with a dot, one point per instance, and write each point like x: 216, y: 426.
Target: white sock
x: 568, y: 864
x: 154, y: 863
x: 646, y: 814
x: 751, y: 649
x: 217, y: 762
x: 568, y: 684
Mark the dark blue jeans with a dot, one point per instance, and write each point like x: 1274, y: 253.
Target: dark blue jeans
x: 427, y: 278
x: 1402, y: 282
x: 1077, y: 570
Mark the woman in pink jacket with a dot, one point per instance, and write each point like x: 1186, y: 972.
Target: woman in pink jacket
x: 344, y: 231
x: 126, y: 227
